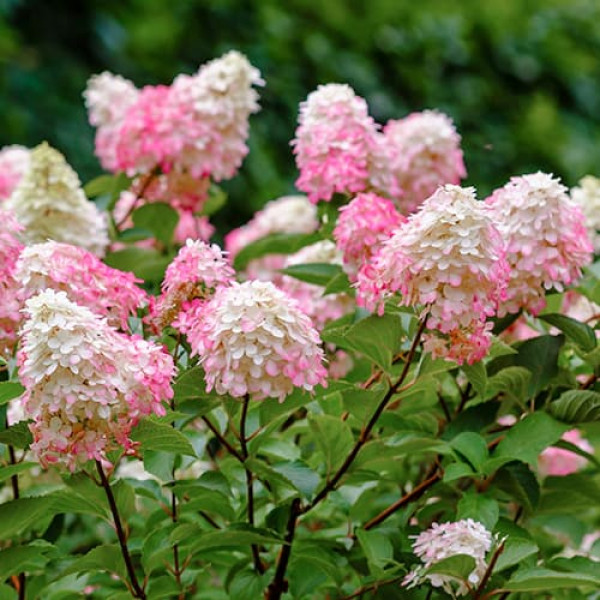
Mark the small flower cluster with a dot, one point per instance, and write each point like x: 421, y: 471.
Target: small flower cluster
x: 86, y: 385
x: 545, y: 236
x: 587, y: 196
x: 49, y: 203
x: 444, y: 540
x: 254, y: 340
x: 449, y: 258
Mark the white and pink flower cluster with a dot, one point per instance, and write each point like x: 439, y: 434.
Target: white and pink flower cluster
x: 14, y: 163
x: 341, y: 150
x: 443, y: 540
x: 86, y: 384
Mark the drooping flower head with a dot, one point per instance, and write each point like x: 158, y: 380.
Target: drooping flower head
x: 587, y: 196
x: 424, y: 153
x: 14, y: 163
x: 86, y: 385
x: 194, y: 275
x: 334, y: 142
x: 444, y: 540
x: 10, y: 295
x: 50, y: 204
x: 560, y: 462
x: 545, y: 236
x: 449, y: 258
x: 85, y: 279
x: 362, y: 226
x: 255, y: 340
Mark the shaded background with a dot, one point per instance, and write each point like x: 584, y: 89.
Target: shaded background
x: 520, y: 78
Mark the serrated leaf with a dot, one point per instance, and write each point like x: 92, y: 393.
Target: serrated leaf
x: 540, y: 579
x: 10, y: 390
x: 457, y: 470
x: 517, y: 480
x: 512, y: 382
x: 277, y: 243
x: 338, y: 285
x: 162, y: 587
x: 159, y: 218
x: 477, y: 376
x: 304, y: 479
x: 315, y: 273
x: 160, y: 436
x: 515, y: 551
x: 19, y: 515
x: 10, y: 470
x: 472, y: 447
x: 102, y: 558
x: 580, y: 333
x: 479, y: 508
x: 247, y: 585
x: 17, y: 435
x: 334, y: 437
x: 377, y: 547
x: 576, y: 406
x: 233, y: 538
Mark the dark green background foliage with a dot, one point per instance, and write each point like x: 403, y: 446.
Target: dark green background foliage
x: 521, y: 78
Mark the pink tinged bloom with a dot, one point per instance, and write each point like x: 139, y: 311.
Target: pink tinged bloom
x: 444, y: 540
x: 587, y: 196
x: 309, y: 297
x: 50, y: 204
x: 423, y: 153
x: 10, y: 289
x: 362, y: 226
x: 334, y: 142
x: 14, y: 163
x: 85, y: 279
x: 253, y: 339
x: 545, y: 238
x: 195, y: 273
x: 448, y: 258
x: 560, y: 462
x: 86, y: 385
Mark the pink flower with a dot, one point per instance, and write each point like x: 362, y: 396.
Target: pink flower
x: 253, y: 339
x: 449, y: 259
x: 85, y: 279
x: 587, y: 196
x: 423, y: 153
x: 334, y: 142
x: 560, y: 462
x: 545, y: 237
x: 86, y: 385
x: 14, y: 163
x: 362, y: 226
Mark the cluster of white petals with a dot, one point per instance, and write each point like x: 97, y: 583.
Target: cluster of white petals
x: 50, y: 204
x: 545, y: 236
x: 14, y: 163
x: 444, y: 540
x: 254, y: 340
x: 86, y: 385
x: 587, y: 195
x: 449, y: 258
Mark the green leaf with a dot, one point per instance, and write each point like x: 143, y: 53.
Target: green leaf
x: 18, y: 435
x: 233, y: 538
x: 125, y: 498
x: 26, y: 559
x: 247, y: 585
x: 303, y: 478
x: 519, y: 482
x: 159, y: 436
x: 580, y: 333
x: 277, y: 243
x: 377, y: 547
x: 477, y: 376
x: 102, y: 558
x: 529, y: 437
x: 162, y: 587
x: 10, y: 390
x: 576, y: 406
x: 159, y: 218
x: 211, y: 501
x: 541, y: 580
x: 334, y: 438
x: 511, y: 382
x: 315, y: 273
x: 111, y: 185
x: 10, y: 470
x: 457, y: 470
x: 515, y: 551
x: 339, y: 284
x: 459, y: 566
x: 479, y: 508
x: 18, y: 515
x: 215, y: 201
x: 472, y: 447
x: 145, y: 263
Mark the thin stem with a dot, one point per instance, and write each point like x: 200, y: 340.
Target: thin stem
x: 249, y: 482
x: 137, y: 592
x: 365, y: 433
x: 138, y: 196
x: 279, y: 585
x: 222, y: 440
x: 372, y: 586
x: 488, y: 572
x: 14, y: 482
x: 411, y: 496
x: 177, y: 570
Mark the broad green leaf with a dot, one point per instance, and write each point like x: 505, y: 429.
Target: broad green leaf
x: 518, y: 481
x: 211, y: 501
x: 17, y: 435
x: 541, y: 580
x: 247, y: 585
x: 525, y: 440
x: 160, y: 464
x: 162, y: 587
x: 10, y: 470
x: 110, y: 185
x: 159, y: 218
x: 511, y: 382
x: 580, y: 333
x: 145, y: 263
x: 215, y: 201
x: 10, y: 390
x: 26, y: 559
x: 457, y: 470
x: 315, y: 273
x: 479, y: 508
x: 304, y: 479
x: 472, y: 447
x: 267, y: 473
x: 159, y: 436
x: 306, y: 575
x: 477, y: 376
x: 19, y: 515
x: 125, y: 498
x: 277, y: 243
x: 377, y: 547
x: 339, y: 284
x: 459, y: 566
x: 101, y: 558
x: 515, y: 550
x: 576, y: 406
x: 233, y: 538
x: 334, y: 438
